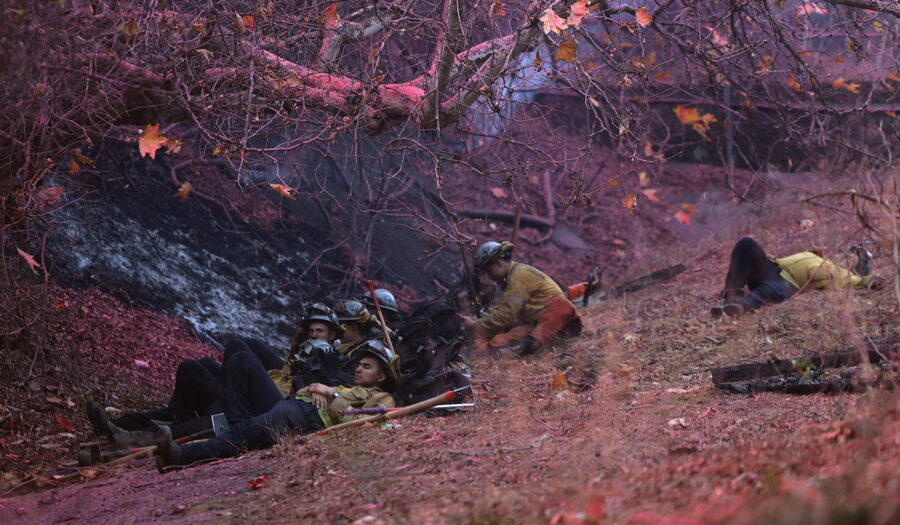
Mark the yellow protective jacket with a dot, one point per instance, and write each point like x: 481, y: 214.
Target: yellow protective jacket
x: 821, y: 274
x: 283, y: 379
x: 350, y: 397
x: 526, y: 291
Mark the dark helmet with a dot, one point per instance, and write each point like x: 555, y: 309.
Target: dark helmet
x: 351, y: 311
x: 376, y: 349
x: 311, y: 345
x: 492, y: 250
x: 386, y: 300
x: 321, y: 313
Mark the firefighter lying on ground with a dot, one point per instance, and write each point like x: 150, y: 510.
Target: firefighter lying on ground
x: 531, y: 311
x: 202, y: 386
x: 755, y: 280
x: 308, y: 410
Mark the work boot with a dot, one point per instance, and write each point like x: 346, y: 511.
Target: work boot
x: 126, y: 439
x: 731, y: 309
x: 527, y: 346
x: 863, y: 266
x: 100, y: 422
x: 727, y: 294
x: 168, y: 453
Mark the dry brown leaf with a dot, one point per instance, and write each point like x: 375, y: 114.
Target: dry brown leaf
x: 497, y: 8
x: 566, y: 52
x: 559, y: 382
x: 630, y: 202
x: 650, y: 193
x: 184, y: 191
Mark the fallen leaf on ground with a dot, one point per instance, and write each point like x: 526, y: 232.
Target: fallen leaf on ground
x: 257, y: 483
x: 64, y: 424
x: 559, y: 382
x: 500, y: 193
x: 143, y: 365
x: 630, y: 202
x: 683, y: 217
x: 678, y: 422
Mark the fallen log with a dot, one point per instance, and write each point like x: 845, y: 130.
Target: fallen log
x: 810, y: 374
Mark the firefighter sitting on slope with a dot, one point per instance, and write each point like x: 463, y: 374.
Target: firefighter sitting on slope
x: 531, y: 311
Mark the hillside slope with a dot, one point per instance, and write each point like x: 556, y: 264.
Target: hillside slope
x: 652, y: 441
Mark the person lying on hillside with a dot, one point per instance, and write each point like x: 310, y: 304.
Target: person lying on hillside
x: 201, y: 387
x: 531, y: 311
x: 755, y: 279
x: 270, y: 416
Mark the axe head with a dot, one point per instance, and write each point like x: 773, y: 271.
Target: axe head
x: 219, y: 424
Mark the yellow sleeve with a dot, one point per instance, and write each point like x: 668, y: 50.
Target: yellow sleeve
x: 505, y: 313
x: 357, y: 397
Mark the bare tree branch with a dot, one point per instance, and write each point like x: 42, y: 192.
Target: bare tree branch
x: 891, y: 7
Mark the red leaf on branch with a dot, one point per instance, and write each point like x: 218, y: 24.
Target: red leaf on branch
x: 330, y: 16
x: 50, y: 196
x: 578, y: 11
x: 150, y: 141
x: 642, y: 17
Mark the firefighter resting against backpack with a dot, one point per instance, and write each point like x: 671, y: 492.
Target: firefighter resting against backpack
x: 531, y: 311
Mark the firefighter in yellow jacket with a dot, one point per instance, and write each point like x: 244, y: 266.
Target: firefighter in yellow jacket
x: 532, y: 309
x: 754, y: 279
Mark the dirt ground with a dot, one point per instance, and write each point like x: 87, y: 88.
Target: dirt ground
x: 651, y: 441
